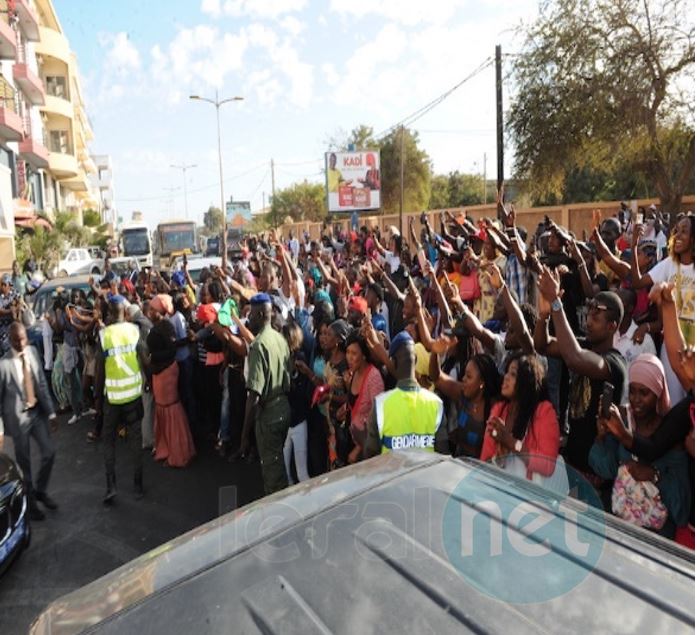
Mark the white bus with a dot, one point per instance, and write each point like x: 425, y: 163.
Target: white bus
x: 135, y: 243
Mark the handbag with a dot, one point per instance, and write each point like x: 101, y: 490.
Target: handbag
x: 637, y: 502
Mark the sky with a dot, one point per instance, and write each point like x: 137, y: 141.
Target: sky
x: 309, y: 71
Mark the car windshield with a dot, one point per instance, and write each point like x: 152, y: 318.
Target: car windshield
x: 136, y: 242
x: 45, y: 297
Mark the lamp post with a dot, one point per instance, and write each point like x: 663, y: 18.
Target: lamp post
x: 218, y: 103
x: 184, y: 167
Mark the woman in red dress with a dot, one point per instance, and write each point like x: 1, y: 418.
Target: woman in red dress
x: 173, y: 442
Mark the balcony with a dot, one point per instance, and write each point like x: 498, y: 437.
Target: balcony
x: 62, y: 166
x: 29, y: 83
x: 34, y: 153
x: 58, y: 106
x: 11, y: 125
x: 28, y: 20
x: 53, y: 44
x: 8, y: 41
x: 77, y: 183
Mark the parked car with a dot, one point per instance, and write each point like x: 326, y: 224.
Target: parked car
x: 15, y: 531
x: 96, y: 252
x: 380, y: 546
x: 78, y: 261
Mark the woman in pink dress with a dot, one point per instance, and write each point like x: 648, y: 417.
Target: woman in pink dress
x: 173, y: 442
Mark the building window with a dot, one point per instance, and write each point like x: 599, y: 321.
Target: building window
x: 7, y: 158
x: 7, y: 95
x: 35, y: 192
x: 57, y: 86
x: 59, y: 142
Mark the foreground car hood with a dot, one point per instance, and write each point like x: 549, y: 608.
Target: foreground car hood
x: 354, y: 551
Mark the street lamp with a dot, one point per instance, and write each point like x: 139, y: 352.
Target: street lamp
x: 183, y: 167
x: 218, y: 103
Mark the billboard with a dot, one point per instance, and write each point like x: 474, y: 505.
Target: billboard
x: 237, y: 213
x: 353, y: 180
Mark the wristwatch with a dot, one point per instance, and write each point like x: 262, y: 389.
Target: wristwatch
x: 518, y: 447
x: 557, y: 305
x: 656, y: 476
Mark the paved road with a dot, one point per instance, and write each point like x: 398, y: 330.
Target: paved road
x: 83, y: 539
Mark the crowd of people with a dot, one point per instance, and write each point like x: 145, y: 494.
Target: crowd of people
x: 538, y: 350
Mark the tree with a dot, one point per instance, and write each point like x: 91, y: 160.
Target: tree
x: 300, y: 201
x: 456, y: 190
x: 214, y: 220
x: 417, y: 172
x: 91, y: 218
x: 605, y: 85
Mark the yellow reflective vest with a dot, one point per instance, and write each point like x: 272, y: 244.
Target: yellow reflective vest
x: 123, y: 381
x: 408, y: 418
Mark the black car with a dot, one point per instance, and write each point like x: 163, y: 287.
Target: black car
x: 407, y: 542
x: 15, y: 532
x: 213, y: 246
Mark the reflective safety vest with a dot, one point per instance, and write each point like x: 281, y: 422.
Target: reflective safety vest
x: 408, y: 419
x: 123, y: 381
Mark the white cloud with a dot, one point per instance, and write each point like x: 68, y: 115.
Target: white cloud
x: 407, y: 12
x: 211, y: 7
x: 203, y: 57
x: 122, y: 56
x: 330, y: 74
x: 265, y: 9
x: 292, y: 25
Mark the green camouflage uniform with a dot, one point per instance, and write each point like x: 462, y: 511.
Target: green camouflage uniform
x: 269, y: 377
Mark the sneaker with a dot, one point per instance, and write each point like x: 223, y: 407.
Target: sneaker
x: 92, y: 436
x: 73, y: 420
x: 89, y: 412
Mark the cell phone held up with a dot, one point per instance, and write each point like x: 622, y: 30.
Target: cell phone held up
x: 606, y: 399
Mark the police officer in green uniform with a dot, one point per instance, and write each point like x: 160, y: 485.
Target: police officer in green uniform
x: 408, y: 417
x: 121, y: 380
x: 268, y: 383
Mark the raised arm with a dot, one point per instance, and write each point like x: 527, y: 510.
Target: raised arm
x: 577, y: 359
x: 639, y: 280
x: 622, y: 269
x: 681, y: 358
x: 586, y: 282
x: 515, y: 315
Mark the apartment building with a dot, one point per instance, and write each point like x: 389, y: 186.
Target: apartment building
x: 45, y: 132
x: 67, y: 129
x: 103, y: 181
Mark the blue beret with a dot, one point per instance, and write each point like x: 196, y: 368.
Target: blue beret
x: 179, y: 278
x: 399, y: 340
x: 379, y: 322
x: 261, y: 298
x: 117, y: 299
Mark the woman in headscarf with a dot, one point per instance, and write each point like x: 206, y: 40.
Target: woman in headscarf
x: 649, y: 492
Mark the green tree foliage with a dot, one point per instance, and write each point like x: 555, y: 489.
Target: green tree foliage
x: 300, y: 201
x: 456, y: 190
x: 91, y: 218
x: 214, y: 220
x: 604, y: 89
x: 417, y: 172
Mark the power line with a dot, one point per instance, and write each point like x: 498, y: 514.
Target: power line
x: 256, y: 189
x: 410, y: 119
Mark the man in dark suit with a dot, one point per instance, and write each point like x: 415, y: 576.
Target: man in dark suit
x: 26, y: 410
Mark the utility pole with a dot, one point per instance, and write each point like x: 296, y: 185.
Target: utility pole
x: 273, y: 194
x: 401, y: 182
x: 184, y: 167
x: 499, y: 121
x: 485, y: 178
